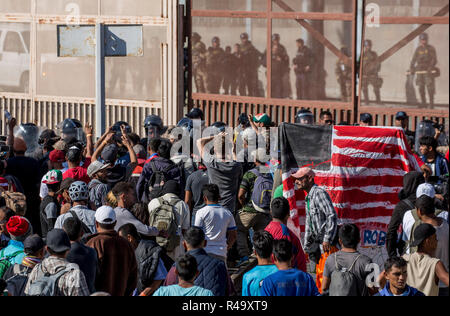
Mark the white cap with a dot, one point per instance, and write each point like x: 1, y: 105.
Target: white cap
x: 105, y: 215
x: 425, y: 189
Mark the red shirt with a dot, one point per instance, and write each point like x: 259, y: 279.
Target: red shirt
x: 281, y: 231
x: 79, y: 173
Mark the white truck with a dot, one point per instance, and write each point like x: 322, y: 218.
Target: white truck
x: 14, y: 57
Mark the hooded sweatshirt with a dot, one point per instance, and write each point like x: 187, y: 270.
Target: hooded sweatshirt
x: 407, y: 202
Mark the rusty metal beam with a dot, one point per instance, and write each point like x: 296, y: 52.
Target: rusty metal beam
x: 414, y: 20
x: 323, y: 16
x: 317, y: 35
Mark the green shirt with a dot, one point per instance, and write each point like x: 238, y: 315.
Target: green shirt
x: 278, y: 192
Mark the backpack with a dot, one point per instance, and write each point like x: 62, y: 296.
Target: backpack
x: 344, y: 281
x: 262, y: 191
x: 16, y: 201
x: 47, y: 285
x: 417, y: 222
x: 164, y: 218
x: 5, y: 261
x: 17, y: 283
x: 157, y: 180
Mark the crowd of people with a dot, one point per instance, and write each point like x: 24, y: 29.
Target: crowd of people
x: 128, y: 216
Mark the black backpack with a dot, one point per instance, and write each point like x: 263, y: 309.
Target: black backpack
x: 157, y: 180
x: 17, y: 283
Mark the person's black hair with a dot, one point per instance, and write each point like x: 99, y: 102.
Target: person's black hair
x: 72, y: 226
x: 3, y: 286
x: 54, y: 253
x: 428, y: 141
x: 398, y: 262
x: 280, y: 208
x: 140, y: 211
x: 426, y: 205
x: 122, y: 188
x: 322, y: 114
x: 135, y: 139
x: 282, y: 250
x: 2, y: 167
x: 8, y: 213
x: 74, y: 156
x: 107, y: 226
x: 164, y: 148
x: 2, y: 202
x: 186, y: 267
x: 211, y: 192
x: 129, y: 229
x: 154, y: 143
x: 53, y: 187
x: 350, y: 236
x: 194, y: 237
x: 263, y: 244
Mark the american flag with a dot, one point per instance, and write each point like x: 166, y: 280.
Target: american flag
x: 363, y: 177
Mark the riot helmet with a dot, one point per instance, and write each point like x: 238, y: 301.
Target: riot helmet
x: 304, y: 117
x: 154, y: 127
x: 71, y: 128
x: 425, y: 128
x: 29, y: 132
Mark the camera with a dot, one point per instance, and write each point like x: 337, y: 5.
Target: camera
x: 439, y: 127
x: 442, y: 187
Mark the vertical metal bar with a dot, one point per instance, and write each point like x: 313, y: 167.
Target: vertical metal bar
x: 99, y: 81
x: 269, y: 49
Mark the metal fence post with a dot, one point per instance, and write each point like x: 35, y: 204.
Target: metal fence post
x: 100, y: 104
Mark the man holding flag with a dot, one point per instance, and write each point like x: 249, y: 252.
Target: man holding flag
x: 321, y: 221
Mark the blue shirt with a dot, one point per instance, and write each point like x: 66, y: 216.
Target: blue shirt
x: 252, y: 281
x: 13, y: 246
x: 291, y: 282
x: 176, y: 290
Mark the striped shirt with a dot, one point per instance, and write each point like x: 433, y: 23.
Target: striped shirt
x: 321, y: 217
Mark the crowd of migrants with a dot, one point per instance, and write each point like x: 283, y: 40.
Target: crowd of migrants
x: 124, y: 217
x: 234, y: 69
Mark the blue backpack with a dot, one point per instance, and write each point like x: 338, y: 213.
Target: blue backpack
x: 262, y: 191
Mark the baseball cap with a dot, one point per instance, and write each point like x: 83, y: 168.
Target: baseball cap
x: 52, y: 177
x: 262, y: 118
x: 58, y: 240
x: 303, y: 172
x: 109, y: 153
x: 401, y: 116
x: 422, y: 232
x: 65, y: 184
x: 425, y: 189
x: 95, y: 167
x: 33, y: 243
x: 105, y: 215
x: 141, y: 153
x: 57, y: 156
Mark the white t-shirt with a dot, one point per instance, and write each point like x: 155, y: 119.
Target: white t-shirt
x: 408, y: 223
x: 215, y: 221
